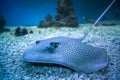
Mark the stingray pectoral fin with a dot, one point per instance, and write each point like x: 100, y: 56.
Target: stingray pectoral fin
x: 57, y: 61
x: 29, y: 56
x: 97, y: 61
x: 49, y: 60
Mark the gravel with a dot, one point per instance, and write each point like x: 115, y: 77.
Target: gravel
x: 12, y: 48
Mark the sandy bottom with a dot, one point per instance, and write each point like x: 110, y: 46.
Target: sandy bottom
x: 12, y: 48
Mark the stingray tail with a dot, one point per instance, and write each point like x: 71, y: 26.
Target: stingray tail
x: 86, y: 34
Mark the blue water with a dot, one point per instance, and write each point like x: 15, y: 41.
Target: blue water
x: 30, y: 12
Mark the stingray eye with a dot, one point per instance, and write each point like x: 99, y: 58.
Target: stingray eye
x: 52, y: 46
x: 37, y: 42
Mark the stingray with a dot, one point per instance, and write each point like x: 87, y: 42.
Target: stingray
x: 69, y: 52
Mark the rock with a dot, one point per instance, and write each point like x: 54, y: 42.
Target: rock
x: 18, y: 31
x: 24, y: 31
x: 2, y: 22
x: 31, y: 32
x: 21, y: 32
x: 4, y: 30
x: 2, y: 25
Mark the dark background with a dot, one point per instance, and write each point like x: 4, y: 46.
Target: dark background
x: 30, y: 12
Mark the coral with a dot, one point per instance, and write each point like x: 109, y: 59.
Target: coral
x: 48, y: 18
x: 48, y: 21
x: 42, y: 24
x: 65, y: 14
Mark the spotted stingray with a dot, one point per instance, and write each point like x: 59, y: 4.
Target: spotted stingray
x: 69, y: 52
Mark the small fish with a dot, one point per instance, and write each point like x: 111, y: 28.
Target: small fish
x: 70, y: 52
